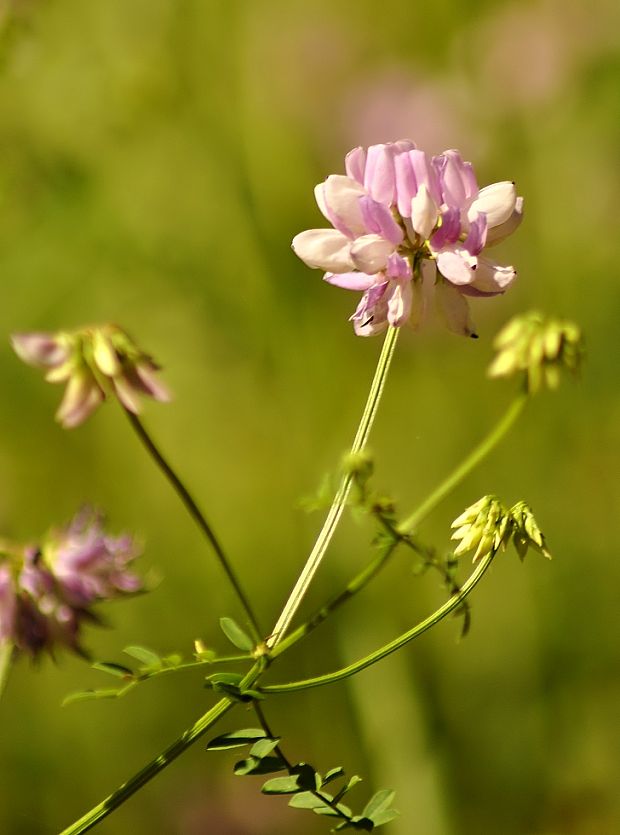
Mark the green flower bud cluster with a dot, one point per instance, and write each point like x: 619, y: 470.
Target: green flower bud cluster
x: 539, y: 346
x: 489, y: 525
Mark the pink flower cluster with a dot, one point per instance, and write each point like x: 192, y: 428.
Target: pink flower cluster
x: 92, y: 362
x: 403, y: 221
x: 47, y: 591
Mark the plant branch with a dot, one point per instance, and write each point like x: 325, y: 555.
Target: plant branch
x: 124, y: 792
x: 338, y: 504
x: 338, y: 675
x: 198, y: 517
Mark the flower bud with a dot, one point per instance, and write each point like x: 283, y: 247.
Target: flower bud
x: 526, y: 533
x: 484, y: 528
x: 539, y: 346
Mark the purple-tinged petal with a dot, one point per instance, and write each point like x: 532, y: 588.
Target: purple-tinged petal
x: 425, y: 174
x: 398, y: 267
x: 146, y: 380
x: 351, y: 281
x: 497, y: 201
x: 127, y: 394
x: 501, y: 232
x: 458, y: 182
x: 424, y: 212
x: 81, y: 398
x: 370, y: 253
x: 379, y: 176
x: 399, y: 304
x: 326, y: 249
x: 43, y: 350
x: 456, y: 266
x: 379, y: 220
x: 370, y: 317
x: 477, y: 236
x: 355, y: 164
x: 454, y: 309
x: 449, y: 229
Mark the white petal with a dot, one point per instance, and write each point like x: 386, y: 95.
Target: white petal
x: 497, y: 201
x: 423, y: 212
x: 341, y: 198
x: 371, y: 252
x: 399, y: 304
x: 492, y: 278
x: 326, y: 249
x: 456, y: 266
x: 454, y: 309
x: 501, y: 232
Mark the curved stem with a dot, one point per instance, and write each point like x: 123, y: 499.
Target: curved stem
x: 394, y: 645
x: 6, y: 657
x: 198, y: 517
x: 124, y: 792
x: 463, y: 470
x: 338, y: 504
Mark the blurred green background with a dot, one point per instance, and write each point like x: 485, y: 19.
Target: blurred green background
x: 156, y: 159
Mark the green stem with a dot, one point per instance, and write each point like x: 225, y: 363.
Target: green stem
x: 463, y: 470
x: 338, y: 504
x: 6, y: 657
x: 124, y: 792
x: 354, y: 586
x: 198, y: 517
x: 394, y: 645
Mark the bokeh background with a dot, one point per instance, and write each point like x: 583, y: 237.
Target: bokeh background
x: 156, y: 158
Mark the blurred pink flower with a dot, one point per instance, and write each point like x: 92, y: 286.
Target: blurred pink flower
x: 401, y: 220
x: 48, y: 590
x: 93, y: 362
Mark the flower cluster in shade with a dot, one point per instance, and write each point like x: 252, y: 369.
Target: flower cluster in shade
x: 539, y: 347
x: 488, y: 526
x: 403, y: 221
x: 48, y: 590
x: 93, y: 362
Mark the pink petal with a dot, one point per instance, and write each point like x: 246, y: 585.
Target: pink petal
x: 424, y: 212
x: 501, y: 232
x: 40, y: 349
x: 456, y: 266
x: 449, y: 229
x: 406, y: 184
x: 150, y: 384
x: 355, y: 163
x: 458, y: 182
x: 351, y: 281
x: 379, y: 219
x: 497, y: 201
x: 326, y: 249
x: 425, y: 174
x: 454, y: 309
x: 370, y: 317
x: 370, y: 253
x: 477, y: 235
x: 379, y: 176
x: 81, y: 398
x: 398, y: 267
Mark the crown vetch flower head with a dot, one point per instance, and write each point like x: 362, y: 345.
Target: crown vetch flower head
x: 538, y: 346
x: 402, y: 220
x: 47, y: 591
x: 93, y: 362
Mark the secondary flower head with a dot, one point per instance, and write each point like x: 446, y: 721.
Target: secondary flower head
x: 488, y: 526
x: 47, y: 590
x: 93, y: 362
x: 402, y: 220
x: 540, y: 347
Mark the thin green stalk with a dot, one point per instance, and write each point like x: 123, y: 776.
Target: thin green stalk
x: 353, y: 587
x: 6, y: 657
x: 338, y: 504
x: 449, y: 606
x: 198, y: 517
x: 124, y: 792
x: 473, y: 459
